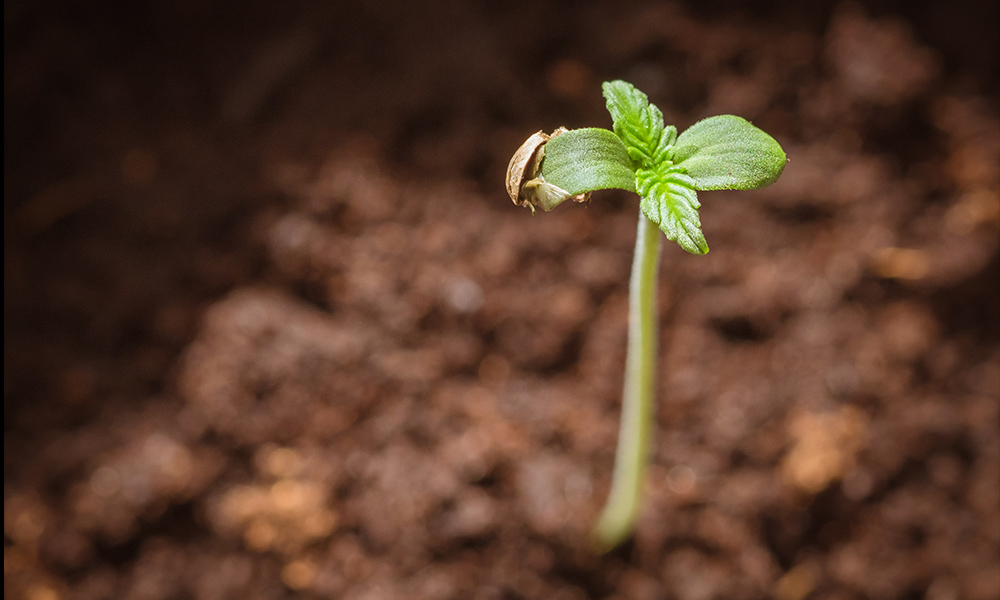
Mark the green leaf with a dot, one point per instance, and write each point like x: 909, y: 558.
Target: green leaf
x: 726, y: 152
x: 669, y: 199
x: 639, y: 124
x: 668, y: 196
x: 583, y: 160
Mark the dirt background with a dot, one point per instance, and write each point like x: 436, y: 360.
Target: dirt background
x: 272, y: 328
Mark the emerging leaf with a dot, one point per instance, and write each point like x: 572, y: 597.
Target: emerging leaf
x: 639, y: 124
x: 728, y: 153
x: 669, y: 199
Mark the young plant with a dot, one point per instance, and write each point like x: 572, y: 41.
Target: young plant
x: 645, y: 156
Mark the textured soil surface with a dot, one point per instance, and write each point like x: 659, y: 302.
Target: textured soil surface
x: 272, y: 328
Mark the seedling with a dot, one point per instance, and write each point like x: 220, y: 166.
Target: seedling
x: 645, y: 156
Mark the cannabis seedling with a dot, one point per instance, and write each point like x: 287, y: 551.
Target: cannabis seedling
x: 645, y: 156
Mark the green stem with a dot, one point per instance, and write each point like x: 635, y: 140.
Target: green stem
x: 618, y: 517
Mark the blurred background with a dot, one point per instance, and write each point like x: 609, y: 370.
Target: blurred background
x: 273, y: 329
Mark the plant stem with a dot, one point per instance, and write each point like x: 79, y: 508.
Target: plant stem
x: 618, y: 517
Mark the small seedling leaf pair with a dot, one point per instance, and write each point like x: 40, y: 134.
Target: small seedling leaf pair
x: 718, y: 153
x: 648, y: 157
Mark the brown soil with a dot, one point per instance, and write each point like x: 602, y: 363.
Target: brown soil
x: 272, y: 328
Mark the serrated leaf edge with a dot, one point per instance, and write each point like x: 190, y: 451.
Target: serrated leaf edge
x: 639, y: 124
x: 670, y: 200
